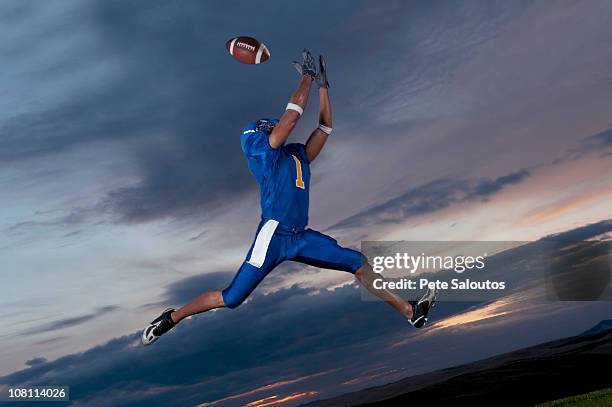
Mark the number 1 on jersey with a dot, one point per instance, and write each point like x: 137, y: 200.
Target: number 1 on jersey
x: 299, y: 182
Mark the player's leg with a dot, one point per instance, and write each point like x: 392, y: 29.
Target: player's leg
x: 415, y: 311
x: 245, y: 281
x: 366, y: 277
x: 264, y: 255
x: 204, y: 302
x: 323, y: 251
x: 320, y: 250
x: 243, y: 284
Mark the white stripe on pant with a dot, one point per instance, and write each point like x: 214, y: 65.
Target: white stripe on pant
x: 262, y: 241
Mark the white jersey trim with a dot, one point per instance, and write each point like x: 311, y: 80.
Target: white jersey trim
x: 262, y: 242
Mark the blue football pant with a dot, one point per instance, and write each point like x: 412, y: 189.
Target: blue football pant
x: 305, y: 246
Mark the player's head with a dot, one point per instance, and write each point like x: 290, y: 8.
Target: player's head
x: 266, y: 125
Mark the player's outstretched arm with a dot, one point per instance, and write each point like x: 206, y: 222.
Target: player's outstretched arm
x: 297, y: 104
x: 318, y: 137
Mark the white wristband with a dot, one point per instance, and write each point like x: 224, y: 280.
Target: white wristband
x: 325, y: 129
x: 297, y: 108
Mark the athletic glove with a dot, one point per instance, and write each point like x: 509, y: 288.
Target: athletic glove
x: 321, y: 77
x: 307, y: 67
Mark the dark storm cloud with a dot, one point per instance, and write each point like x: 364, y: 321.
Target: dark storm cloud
x: 178, y: 102
x: 284, y: 335
x: 91, y: 118
x: 431, y: 197
x: 69, y: 322
x: 219, y: 350
x: 397, y: 89
x: 175, y: 101
x: 206, y: 96
x: 293, y: 331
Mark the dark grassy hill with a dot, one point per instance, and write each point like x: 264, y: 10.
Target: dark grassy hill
x: 548, y: 371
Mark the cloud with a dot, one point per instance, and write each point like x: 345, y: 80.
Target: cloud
x: 431, y: 197
x: 599, y: 140
x: 69, y: 322
x: 220, y: 349
x: 198, y: 236
x: 172, y: 100
x: 582, y: 233
x: 178, y: 122
x: 35, y: 361
x: 290, y: 341
x: 598, y: 143
x: 75, y: 217
x: 198, y: 165
x: 152, y: 83
x: 486, y: 188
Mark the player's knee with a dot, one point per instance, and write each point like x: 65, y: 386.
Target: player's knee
x: 355, y: 268
x: 358, y: 264
x: 232, y: 299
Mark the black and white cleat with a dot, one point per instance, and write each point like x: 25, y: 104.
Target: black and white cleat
x: 421, y: 308
x: 158, y: 327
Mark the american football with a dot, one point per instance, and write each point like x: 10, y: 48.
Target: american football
x: 247, y: 50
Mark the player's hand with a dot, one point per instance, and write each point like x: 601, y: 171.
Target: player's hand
x: 321, y: 77
x: 307, y: 67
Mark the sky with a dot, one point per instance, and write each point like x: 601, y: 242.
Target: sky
x: 124, y: 189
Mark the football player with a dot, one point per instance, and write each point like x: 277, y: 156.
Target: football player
x: 283, y: 173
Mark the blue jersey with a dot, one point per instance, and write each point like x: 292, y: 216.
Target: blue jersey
x: 283, y: 175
